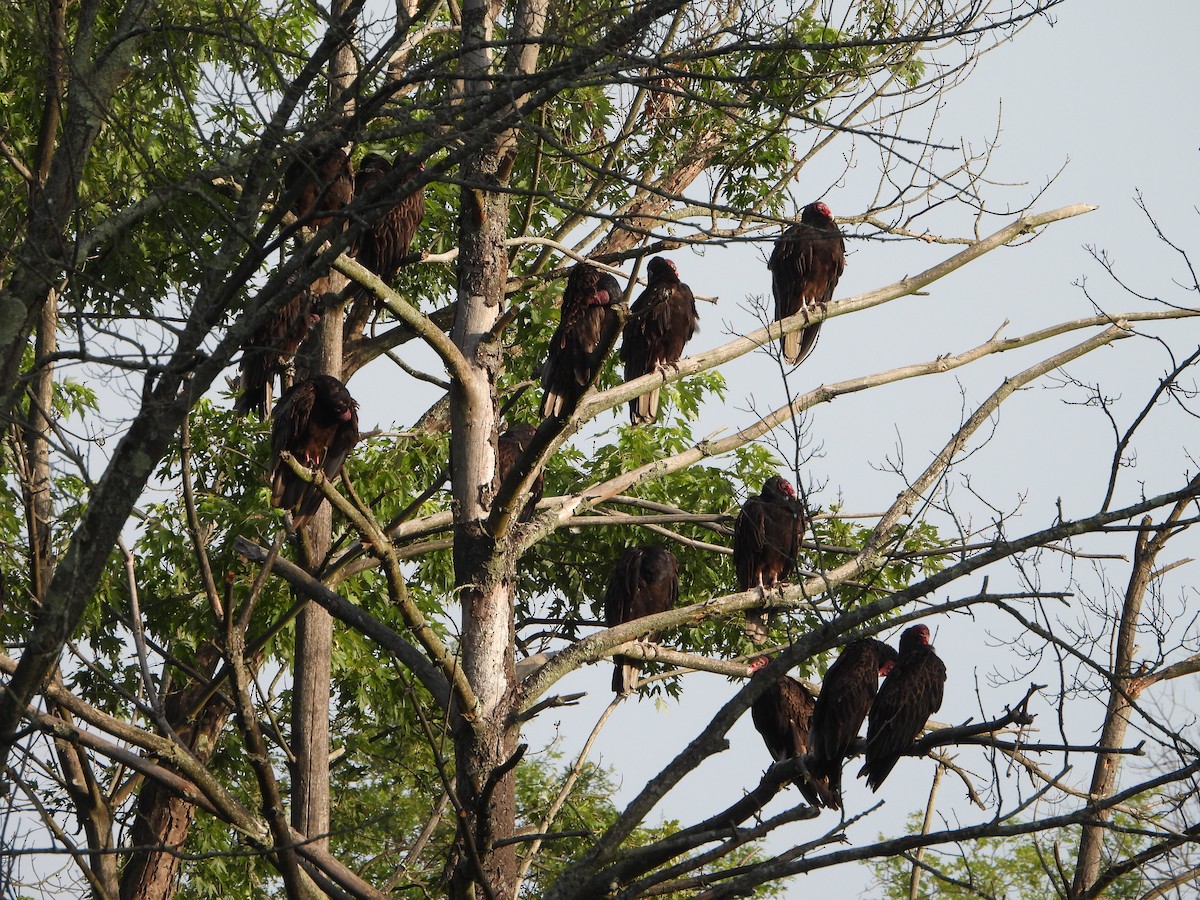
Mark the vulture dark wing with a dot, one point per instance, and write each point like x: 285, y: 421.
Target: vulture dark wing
x: 272, y: 347
x: 644, y: 582
x: 766, y: 543
x: 847, y: 694
x: 661, y: 322
x: 806, y: 263
x: 909, y: 696
x: 749, y: 543
x: 511, y: 446
x: 383, y: 246
x: 783, y: 715
x: 320, y: 181
x: 586, y: 328
x: 317, y: 422
x: 290, y: 433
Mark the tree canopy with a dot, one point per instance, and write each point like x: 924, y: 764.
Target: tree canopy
x: 201, y: 699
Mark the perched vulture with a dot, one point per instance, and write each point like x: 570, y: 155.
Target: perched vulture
x: 383, y: 247
x: 662, y: 319
x: 317, y: 422
x: 319, y: 181
x: 846, y: 696
x: 587, y: 323
x: 783, y: 716
x: 644, y: 581
x: 805, y: 265
x: 510, y: 447
x: 766, y: 542
x: 909, y: 696
x: 270, y: 350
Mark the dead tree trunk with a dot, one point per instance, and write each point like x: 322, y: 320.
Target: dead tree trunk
x: 488, y: 641
x: 1123, y: 693
x: 314, y: 626
x: 486, y: 753
x: 163, y: 819
x: 92, y: 808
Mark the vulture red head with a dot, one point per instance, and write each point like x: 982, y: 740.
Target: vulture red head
x: 780, y: 485
x: 661, y: 267
x: 913, y: 638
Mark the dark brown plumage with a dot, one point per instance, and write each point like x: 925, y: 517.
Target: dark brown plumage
x: 661, y: 321
x: 319, y: 181
x: 846, y: 696
x: 808, y: 259
x: 383, y: 246
x: 317, y: 422
x: 766, y: 543
x: 644, y: 581
x: 587, y: 323
x: 272, y: 347
x: 510, y: 447
x: 783, y: 716
x: 908, y: 697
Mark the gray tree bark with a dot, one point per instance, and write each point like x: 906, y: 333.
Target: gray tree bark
x: 486, y: 753
x: 314, y: 627
x: 163, y: 818
x: 1123, y: 693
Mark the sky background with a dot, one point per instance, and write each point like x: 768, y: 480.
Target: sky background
x: 1107, y: 98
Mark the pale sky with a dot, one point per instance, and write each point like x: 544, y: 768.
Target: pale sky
x: 1110, y: 93
x: 1110, y: 96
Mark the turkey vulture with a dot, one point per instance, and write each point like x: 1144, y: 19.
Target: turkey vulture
x: 909, y: 696
x: 383, y: 247
x: 587, y: 323
x: 846, y: 696
x: 644, y: 581
x: 317, y: 422
x: 511, y: 446
x: 766, y: 542
x: 783, y: 716
x: 805, y: 265
x: 272, y: 347
x: 319, y: 181
x: 662, y: 319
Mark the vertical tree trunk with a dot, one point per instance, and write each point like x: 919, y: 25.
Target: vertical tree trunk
x: 310, y: 704
x: 314, y: 626
x: 163, y: 819
x: 1120, y: 700
x: 488, y: 799
x: 39, y: 506
x: 314, y: 640
x: 91, y: 806
x: 488, y: 640
x: 486, y: 754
